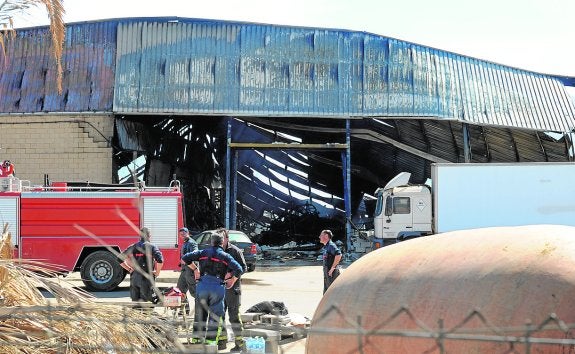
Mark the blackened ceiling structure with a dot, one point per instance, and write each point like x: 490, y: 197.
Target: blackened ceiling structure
x: 175, y: 84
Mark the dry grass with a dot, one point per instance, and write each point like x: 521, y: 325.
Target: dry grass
x: 72, y: 322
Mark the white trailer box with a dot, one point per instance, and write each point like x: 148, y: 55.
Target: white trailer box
x: 468, y: 196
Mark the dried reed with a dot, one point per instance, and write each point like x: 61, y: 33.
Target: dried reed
x: 71, y: 322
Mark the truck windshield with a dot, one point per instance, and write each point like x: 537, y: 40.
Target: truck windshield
x: 379, y: 204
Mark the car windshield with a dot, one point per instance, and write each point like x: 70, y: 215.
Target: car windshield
x: 239, y: 237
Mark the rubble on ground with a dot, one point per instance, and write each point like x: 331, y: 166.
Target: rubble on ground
x: 291, y: 251
x: 309, y: 252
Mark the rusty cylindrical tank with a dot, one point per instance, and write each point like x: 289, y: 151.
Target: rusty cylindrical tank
x: 476, y: 284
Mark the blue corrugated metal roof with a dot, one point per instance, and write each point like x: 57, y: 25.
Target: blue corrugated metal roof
x: 217, y: 67
x: 191, y: 66
x: 27, y: 81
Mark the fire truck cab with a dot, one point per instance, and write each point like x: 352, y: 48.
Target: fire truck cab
x: 83, y: 227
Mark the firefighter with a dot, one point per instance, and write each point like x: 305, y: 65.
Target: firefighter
x: 7, y: 169
x: 331, y: 258
x: 144, y: 261
x: 217, y: 271
x: 232, y: 300
x: 186, y: 281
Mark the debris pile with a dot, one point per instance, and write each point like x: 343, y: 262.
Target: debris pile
x: 291, y: 251
x: 272, y: 320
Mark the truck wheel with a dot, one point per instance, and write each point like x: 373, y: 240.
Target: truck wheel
x: 101, y: 271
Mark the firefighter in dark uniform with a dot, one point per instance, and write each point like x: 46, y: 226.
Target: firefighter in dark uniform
x: 331, y: 258
x: 232, y: 301
x: 217, y: 271
x: 144, y: 261
x: 186, y: 281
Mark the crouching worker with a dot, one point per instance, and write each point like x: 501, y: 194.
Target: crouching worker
x: 144, y: 261
x: 217, y: 271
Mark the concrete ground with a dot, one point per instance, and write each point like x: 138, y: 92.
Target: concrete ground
x: 298, y: 284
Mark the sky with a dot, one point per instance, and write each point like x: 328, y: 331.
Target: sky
x: 536, y: 35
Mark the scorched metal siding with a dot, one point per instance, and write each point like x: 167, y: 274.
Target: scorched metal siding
x: 185, y: 66
x: 28, y: 75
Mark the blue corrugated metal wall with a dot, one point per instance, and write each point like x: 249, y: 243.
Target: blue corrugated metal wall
x: 190, y: 66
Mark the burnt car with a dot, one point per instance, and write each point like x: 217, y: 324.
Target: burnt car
x: 238, y: 238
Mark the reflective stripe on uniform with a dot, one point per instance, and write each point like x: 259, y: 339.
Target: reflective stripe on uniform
x: 214, y: 259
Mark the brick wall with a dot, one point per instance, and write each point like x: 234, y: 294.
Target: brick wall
x: 66, y: 147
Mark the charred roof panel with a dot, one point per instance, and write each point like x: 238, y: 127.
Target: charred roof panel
x: 28, y: 76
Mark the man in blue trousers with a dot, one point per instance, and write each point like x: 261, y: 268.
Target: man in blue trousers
x: 217, y: 271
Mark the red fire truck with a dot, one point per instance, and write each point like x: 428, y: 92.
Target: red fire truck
x: 82, y: 227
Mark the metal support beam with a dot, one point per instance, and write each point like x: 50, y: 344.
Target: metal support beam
x: 347, y: 186
x: 373, y: 136
x: 365, y: 134
x: 234, y: 196
x: 228, y: 172
x: 543, y: 147
x: 514, y: 143
x: 466, y: 143
x: 454, y: 140
x: 289, y: 146
x: 487, y: 147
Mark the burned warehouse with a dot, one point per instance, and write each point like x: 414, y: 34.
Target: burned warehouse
x: 273, y: 130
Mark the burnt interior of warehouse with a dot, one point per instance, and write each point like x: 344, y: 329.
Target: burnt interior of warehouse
x: 277, y: 131
x: 292, y: 192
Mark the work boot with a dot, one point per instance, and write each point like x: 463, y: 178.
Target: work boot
x: 238, y: 349
x: 222, y: 345
x: 240, y: 346
x: 195, y: 340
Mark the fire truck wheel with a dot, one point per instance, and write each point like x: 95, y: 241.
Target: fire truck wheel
x: 101, y: 271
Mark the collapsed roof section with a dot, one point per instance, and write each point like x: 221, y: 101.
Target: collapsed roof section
x: 271, y: 183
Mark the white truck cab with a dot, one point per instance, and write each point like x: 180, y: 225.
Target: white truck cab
x: 402, y: 211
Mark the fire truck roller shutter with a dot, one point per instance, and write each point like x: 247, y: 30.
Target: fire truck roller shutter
x: 101, y: 271
x: 9, y: 215
x: 161, y: 216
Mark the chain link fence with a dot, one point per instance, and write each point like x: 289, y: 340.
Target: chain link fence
x: 552, y: 334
